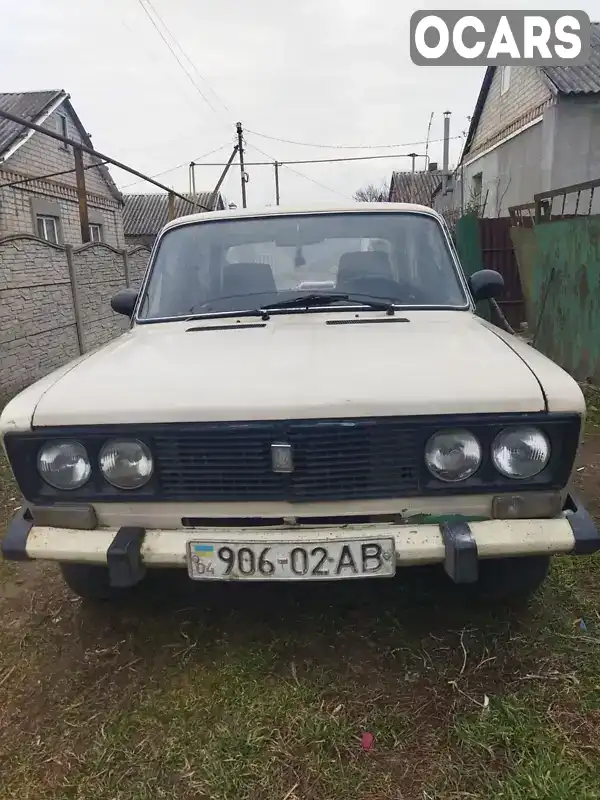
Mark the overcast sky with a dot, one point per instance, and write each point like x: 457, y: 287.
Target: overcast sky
x: 333, y: 72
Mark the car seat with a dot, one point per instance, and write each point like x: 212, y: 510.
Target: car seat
x: 363, y: 264
x: 247, y: 277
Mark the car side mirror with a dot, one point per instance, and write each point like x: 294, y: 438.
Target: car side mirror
x: 124, y: 302
x: 486, y: 284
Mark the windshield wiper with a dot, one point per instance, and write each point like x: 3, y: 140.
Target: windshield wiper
x: 303, y: 301
x: 308, y: 300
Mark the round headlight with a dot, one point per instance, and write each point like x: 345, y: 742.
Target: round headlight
x: 453, y: 455
x: 520, y: 452
x: 64, y: 465
x: 126, y: 464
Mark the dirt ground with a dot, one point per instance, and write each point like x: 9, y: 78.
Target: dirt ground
x: 235, y: 693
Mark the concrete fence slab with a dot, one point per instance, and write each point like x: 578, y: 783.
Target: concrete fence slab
x: 55, y: 303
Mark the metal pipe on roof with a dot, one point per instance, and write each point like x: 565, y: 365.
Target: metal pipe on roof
x: 412, y: 179
x: 90, y: 151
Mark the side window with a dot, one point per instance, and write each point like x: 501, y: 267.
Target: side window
x: 504, y: 79
x: 181, y: 276
x: 47, y: 228
x: 96, y: 232
x: 477, y: 187
x: 63, y: 128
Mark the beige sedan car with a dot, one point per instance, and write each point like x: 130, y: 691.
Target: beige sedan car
x: 302, y: 395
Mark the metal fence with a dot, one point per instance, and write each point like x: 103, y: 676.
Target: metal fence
x: 567, y: 202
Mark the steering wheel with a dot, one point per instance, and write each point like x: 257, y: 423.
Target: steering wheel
x: 385, y: 288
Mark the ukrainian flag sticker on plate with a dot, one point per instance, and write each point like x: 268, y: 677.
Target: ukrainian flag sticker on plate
x: 204, y: 550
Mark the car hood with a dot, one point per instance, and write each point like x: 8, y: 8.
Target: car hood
x: 295, y: 366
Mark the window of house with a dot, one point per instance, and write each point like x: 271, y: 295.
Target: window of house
x: 476, y: 190
x: 62, y: 129
x: 95, y: 232
x: 504, y: 79
x: 47, y: 228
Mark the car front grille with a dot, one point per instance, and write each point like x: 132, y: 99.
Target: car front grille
x: 332, y: 460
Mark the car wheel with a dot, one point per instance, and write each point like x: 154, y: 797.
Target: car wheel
x: 510, y: 580
x: 91, y: 582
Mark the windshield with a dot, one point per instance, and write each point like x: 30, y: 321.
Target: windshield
x: 229, y: 266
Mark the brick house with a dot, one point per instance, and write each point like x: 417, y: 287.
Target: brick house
x: 144, y: 215
x: 532, y: 130
x: 48, y: 206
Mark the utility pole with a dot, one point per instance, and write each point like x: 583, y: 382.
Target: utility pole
x: 215, y: 194
x: 428, y: 135
x: 276, y: 165
x: 240, y: 135
x: 81, y: 195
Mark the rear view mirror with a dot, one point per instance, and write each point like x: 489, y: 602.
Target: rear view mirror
x: 487, y: 284
x: 124, y: 301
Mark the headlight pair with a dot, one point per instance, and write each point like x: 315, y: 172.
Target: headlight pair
x: 66, y: 465
x: 519, y: 453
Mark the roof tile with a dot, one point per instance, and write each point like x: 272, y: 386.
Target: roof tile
x: 579, y: 80
x: 424, y: 186
x: 23, y: 104
x: 147, y: 214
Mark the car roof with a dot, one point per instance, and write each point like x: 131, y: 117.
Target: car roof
x: 272, y: 211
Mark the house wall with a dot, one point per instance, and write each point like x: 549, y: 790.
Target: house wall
x: 510, y: 174
x: 576, y: 150
x: 562, y: 150
x: 51, y: 311
x: 19, y: 204
x: 527, y: 93
x: 41, y: 155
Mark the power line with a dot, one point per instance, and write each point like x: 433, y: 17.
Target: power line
x: 178, y: 166
x: 288, y: 164
x: 83, y: 148
x: 152, y: 56
x: 176, y: 57
x: 49, y: 175
x: 300, y: 174
x: 316, y: 160
x: 185, y: 55
x: 346, y: 146
x: 317, y: 183
x: 134, y: 35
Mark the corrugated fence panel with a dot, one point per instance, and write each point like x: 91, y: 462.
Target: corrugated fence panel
x: 561, y: 260
x: 525, y: 246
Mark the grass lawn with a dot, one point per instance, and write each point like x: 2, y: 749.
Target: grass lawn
x: 236, y: 692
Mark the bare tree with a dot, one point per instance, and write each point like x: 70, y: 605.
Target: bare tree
x: 371, y: 193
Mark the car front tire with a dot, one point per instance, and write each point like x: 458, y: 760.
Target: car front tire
x: 510, y: 580
x: 91, y: 582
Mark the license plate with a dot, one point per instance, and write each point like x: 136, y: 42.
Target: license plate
x: 290, y: 561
